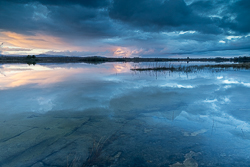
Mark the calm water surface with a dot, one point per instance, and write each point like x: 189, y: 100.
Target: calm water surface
x: 107, y: 115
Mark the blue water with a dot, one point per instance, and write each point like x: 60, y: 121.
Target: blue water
x: 108, y: 115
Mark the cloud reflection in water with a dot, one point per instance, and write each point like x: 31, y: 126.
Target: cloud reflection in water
x: 213, y: 108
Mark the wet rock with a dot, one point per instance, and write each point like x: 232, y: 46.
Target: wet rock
x: 188, y: 162
x: 138, y: 162
x: 147, y: 130
x: 39, y: 164
x: 29, y: 140
x: 117, y: 155
x: 194, y: 133
x: 73, y: 154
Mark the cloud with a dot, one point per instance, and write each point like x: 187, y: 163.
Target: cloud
x: 15, y: 49
x: 169, y: 15
x: 241, y: 13
x: 38, y: 41
x: 147, y: 27
x: 87, y: 3
x: 64, y: 21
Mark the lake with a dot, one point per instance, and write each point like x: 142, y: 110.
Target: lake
x: 64, y: 115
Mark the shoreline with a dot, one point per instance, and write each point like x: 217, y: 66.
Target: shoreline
x: 98, y: 60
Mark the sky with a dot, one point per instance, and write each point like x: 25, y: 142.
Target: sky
x: 125, y: 28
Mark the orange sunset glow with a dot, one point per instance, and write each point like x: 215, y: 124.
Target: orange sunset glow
x: 126, y: 52
x: 36, y: 44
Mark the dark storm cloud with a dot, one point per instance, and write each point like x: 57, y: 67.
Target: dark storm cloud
x: 16, y: 17
x: 80, y: 21
x: 67, y: 21
x: 204, y: 16
x: 169, y: 15
x: 99, y: 17
x: 87, y: 3
x: 241, y: 11
x: 148, y: 12
x: 129, y: 23
x: 207, y: 7
x: 232, y: 16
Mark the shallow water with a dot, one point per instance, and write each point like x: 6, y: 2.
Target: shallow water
x: 108, y: 115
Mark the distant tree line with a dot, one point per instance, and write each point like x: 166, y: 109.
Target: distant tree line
x: 31, y: 57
